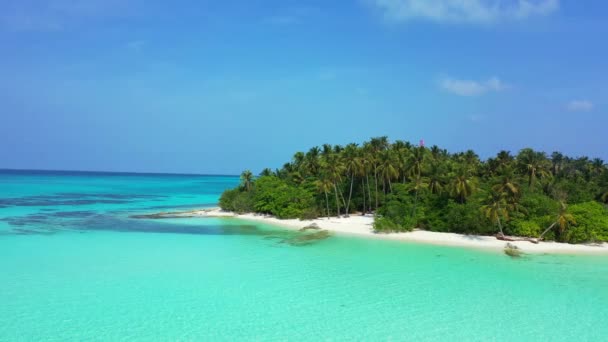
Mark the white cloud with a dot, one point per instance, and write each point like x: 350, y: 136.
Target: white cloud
x: 580, y: 106
x: 136, y: 45
x: 470, y: 87
x: 464, y: 11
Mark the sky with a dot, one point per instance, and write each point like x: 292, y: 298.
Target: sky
x: 218, y: 86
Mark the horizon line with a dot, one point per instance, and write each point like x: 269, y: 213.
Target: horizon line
x: 120, y: 172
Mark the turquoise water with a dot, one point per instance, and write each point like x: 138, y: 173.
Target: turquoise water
x: 75, y: 267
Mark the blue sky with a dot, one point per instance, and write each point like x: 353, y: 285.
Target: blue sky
x: 219, y: 86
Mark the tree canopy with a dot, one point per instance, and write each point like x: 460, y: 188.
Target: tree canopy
x: 406, y: 187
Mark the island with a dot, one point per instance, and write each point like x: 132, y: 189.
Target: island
x: 402, y: 191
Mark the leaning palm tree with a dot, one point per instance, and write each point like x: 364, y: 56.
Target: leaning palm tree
x: 496, y: 210
x: 564, y: 219
x: 247, y: 179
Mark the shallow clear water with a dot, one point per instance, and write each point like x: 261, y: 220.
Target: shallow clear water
x: 74, y: 266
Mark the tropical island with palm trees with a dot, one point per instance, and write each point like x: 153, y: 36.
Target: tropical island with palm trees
x: 401, y: 187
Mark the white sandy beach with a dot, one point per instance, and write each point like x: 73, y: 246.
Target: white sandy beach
x: 362, y: 226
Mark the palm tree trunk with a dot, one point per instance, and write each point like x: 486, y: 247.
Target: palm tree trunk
x: 369, y: 193
x: 363, y: 188
x: 500, y: 227
x: 337, y: 200
x: 376, y: 184
x: 415, y: 204
x: 327, y: 204
x: 390, y: 186
x: 352, y: 179
x: 546, y: 230
x: 500, y: 223
x: 343, y: 201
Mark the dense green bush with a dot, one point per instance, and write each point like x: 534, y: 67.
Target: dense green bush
x: 466, y: 219
x: 530, y: 228
x: 237, y: 200
x: 538, y: 204
x: 576, y: 190
x: 386, y: 225
x: 400, y: 212
x: 591, y: 223
x: 275, y: 196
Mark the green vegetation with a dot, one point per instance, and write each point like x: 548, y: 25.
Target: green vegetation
x: 406, y: 187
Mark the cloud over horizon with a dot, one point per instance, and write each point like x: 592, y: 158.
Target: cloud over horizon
x: 471, y: 87
x: 580, y: 106
x: 464, y: 11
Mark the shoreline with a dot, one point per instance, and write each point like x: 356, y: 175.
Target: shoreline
x: 361, y: 226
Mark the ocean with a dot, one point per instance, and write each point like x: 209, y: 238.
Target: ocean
x: 75, y: 266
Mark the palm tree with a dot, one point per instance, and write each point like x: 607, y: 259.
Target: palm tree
x: 416, y: 161
x: 376, y: 145
x: 564, y: 219
x: 504, y: 158
x: 266, y: 172
x: 387, y: 168
x: 557, y: 160
x: 436, y: 152
x: 311, y: 160
x: 351, y: 162
x: 369, y: 165
x: 298, y: 161
x: 507, y: 183
x: 247, y: 179
x: 324, y: 186
x: 401, y: 151
x: 471, y: 159
x: 417, y: 184
x: 597, y: 166
x: 496, y: 209
x: 534, y: 164
x: 463, y: 185
x: 333, y: 168
x: 435, y: 177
